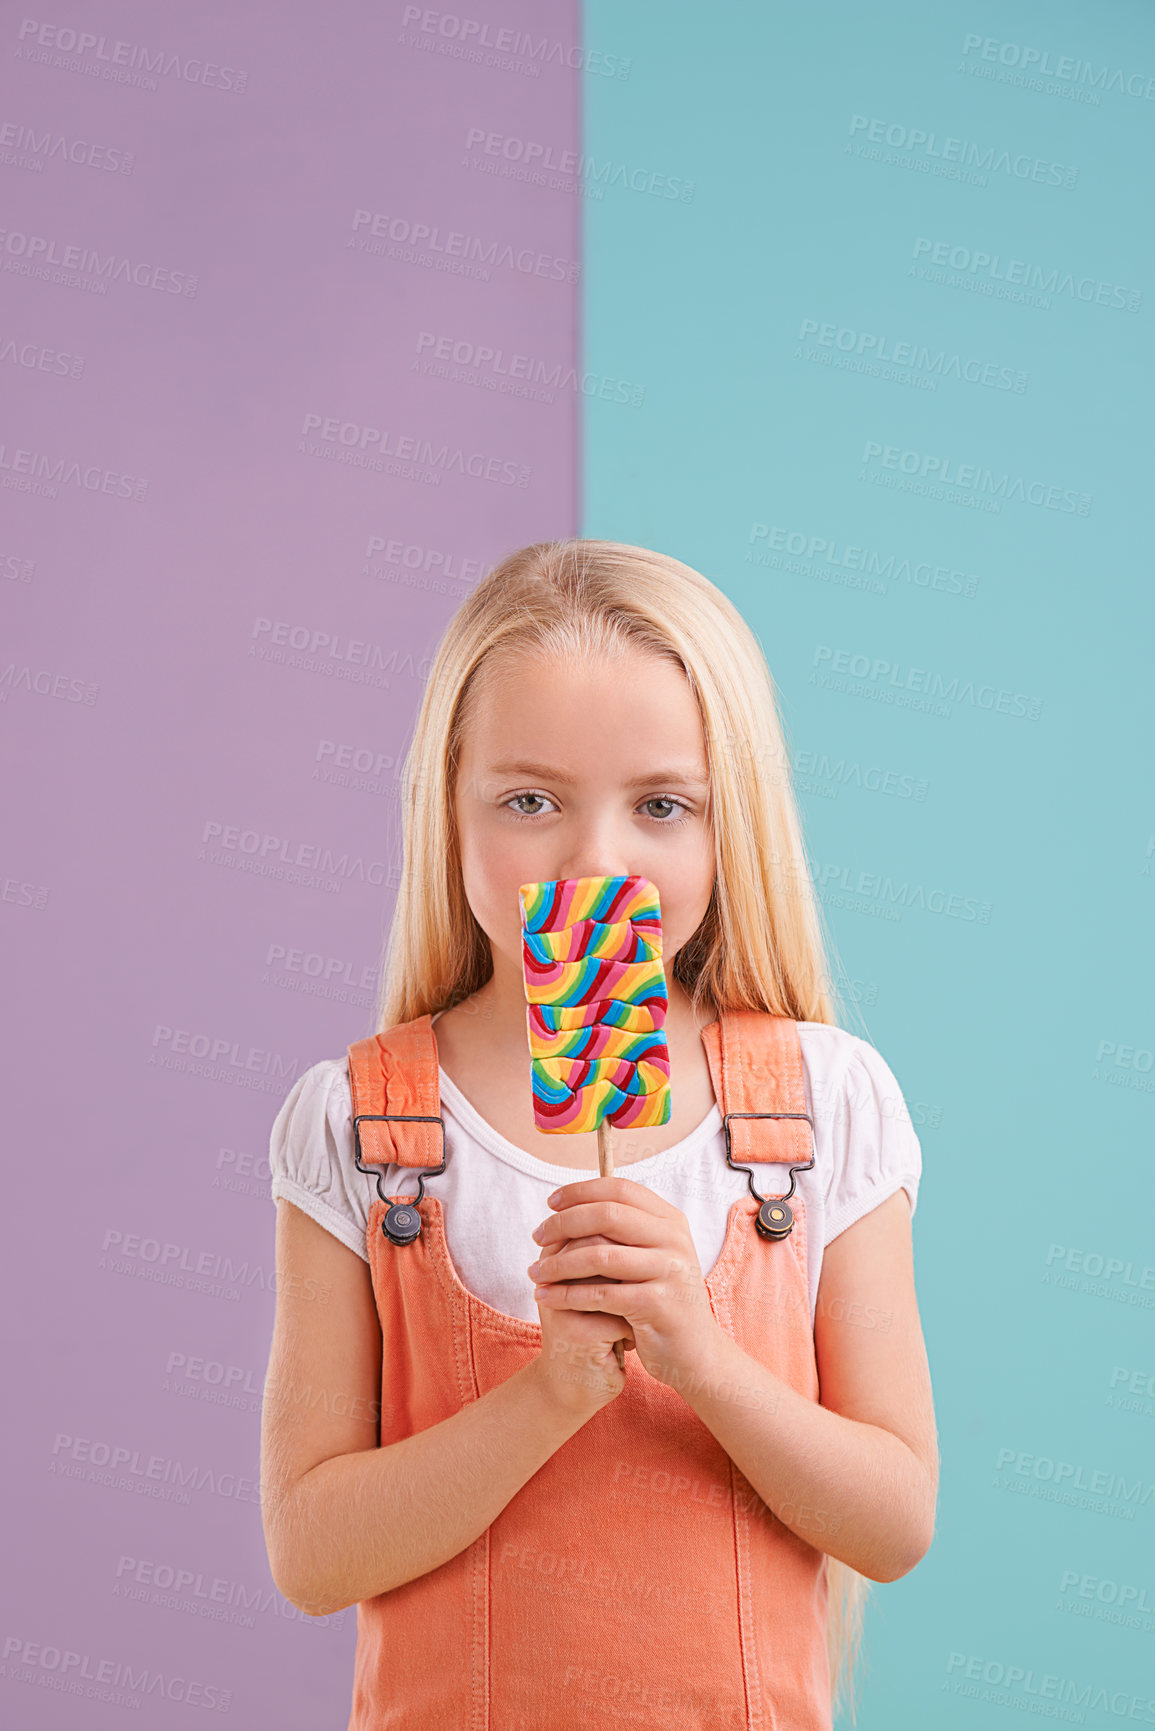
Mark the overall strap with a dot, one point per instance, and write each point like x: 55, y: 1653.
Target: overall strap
x: 756, y: 1067
x: 392, y: 1077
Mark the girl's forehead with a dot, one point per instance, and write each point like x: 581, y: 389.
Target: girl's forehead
x: 510, y: 682
x: 584, y: 710
x: 589, y: 724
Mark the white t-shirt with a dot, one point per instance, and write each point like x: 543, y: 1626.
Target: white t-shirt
x: 493, y: 1193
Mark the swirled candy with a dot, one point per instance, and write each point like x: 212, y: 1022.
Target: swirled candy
x: 596, y: 1003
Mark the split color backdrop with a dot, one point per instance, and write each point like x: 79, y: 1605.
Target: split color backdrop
x: 308, y: 316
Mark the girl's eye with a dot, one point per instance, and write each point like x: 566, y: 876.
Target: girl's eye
x: 665, y: 819
x: 675, y: 805
x: 525, y: 815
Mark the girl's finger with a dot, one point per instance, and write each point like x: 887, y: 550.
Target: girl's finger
x: 682, y: 1287
x: 605, y: 1296
x: 613, y: 1219
x: 616, y: 1189
x: 617, y: 1262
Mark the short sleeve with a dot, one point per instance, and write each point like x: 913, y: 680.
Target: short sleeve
x: 874, y: 1147
x: 311, y: 1154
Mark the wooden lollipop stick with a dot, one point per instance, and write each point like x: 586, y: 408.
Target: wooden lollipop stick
x: 606, y: 1170
x: 606, y: 1149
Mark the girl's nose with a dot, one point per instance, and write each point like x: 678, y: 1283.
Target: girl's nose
x: 598, y: 865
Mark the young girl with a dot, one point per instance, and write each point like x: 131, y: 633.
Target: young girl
x: 535, y: 1538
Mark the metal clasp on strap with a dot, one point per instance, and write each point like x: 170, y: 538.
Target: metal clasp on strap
x: 774, y: 1218
x: 396, y: 1118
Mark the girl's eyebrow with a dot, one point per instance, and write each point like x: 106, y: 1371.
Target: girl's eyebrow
x: 681, y: 775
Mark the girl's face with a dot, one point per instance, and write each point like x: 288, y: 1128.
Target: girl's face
x: 584, y: 772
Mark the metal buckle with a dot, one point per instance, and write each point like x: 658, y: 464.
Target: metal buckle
x: 396, y: 1118
x: 793, y: 1169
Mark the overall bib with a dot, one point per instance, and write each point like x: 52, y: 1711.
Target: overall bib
x: 637, y: 1578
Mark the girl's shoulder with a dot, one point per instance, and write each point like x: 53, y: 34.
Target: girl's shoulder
x: 827, y: 1045
x: 835, y: 1058
x: 316, y: 1093
x: 866, y: 1138
x: 311, y: 1161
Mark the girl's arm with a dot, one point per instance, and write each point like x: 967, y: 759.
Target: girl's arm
x: 345, y: 1519
x: 857, y: 1475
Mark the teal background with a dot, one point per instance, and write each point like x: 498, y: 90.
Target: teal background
x: 1033, y: 1136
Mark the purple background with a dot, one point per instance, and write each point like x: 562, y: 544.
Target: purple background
x: 160, y: 744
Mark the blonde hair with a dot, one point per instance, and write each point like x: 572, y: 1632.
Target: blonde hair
x: 761, y: 944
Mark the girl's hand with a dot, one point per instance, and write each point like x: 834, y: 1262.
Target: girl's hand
x: 577, y: 1363
x: 607, y: 1230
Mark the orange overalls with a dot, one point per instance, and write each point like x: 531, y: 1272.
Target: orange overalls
x: 637, y: 1578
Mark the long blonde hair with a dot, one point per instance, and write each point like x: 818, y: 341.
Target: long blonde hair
x: 761, y: 944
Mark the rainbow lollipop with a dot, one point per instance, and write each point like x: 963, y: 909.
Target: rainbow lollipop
x: 596, y: 1009
x: 596, y: 1003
